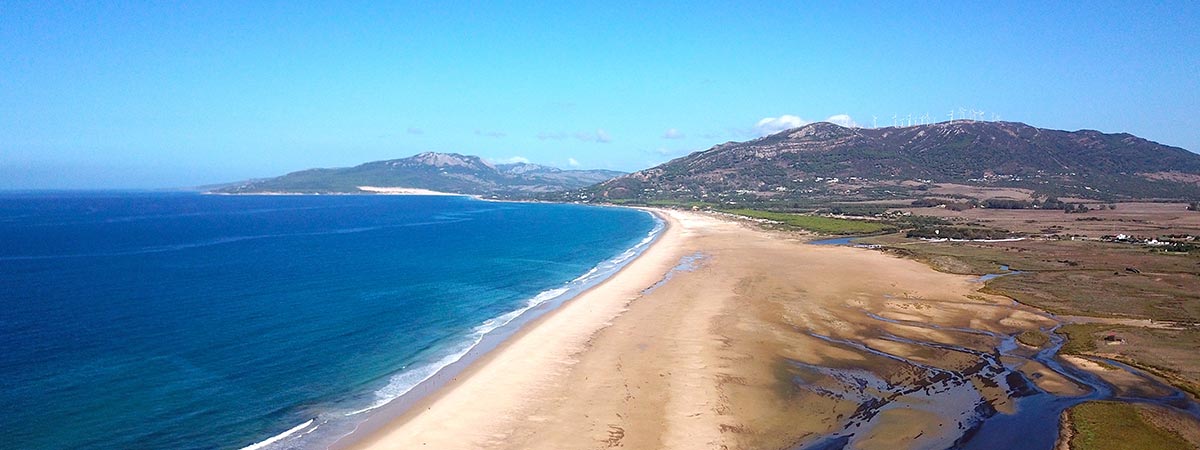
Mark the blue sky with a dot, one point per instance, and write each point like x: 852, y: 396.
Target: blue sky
x: 158, y: 94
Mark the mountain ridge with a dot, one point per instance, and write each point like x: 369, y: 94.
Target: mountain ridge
x: 892, y: 162
x: 443, y: 172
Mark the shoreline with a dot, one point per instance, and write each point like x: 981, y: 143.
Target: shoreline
x: 746, y: 339
x: 379, y: 430
x: 431, y: 389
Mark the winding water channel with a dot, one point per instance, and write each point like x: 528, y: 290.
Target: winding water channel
x: 1031, y: 423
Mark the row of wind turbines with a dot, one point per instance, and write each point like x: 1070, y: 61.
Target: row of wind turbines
x: 964, y: 115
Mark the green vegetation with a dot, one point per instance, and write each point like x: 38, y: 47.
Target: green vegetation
x: 818, y: 224
x: 1081, y: 337
x: 1166, y: 353
x: 1115, y: 425
x: 965, y: 258
x: 1033, y: 338
x: 1158, y: 286
x: 966, y: 233
x: 1125, y: 294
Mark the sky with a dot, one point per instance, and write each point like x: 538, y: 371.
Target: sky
x: 139, y: 95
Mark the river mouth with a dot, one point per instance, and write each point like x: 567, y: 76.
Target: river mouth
x: 985, y: 401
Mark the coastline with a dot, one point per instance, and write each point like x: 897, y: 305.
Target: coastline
x: 726, y: 335
x: 363, y: 190
x: 496, y: 340
x: 524, y: 355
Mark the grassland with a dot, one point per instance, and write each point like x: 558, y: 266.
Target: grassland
x: 1033, y: 338
x: 816, y: 224
x: 1115, y: 425
x: 1069, y: 277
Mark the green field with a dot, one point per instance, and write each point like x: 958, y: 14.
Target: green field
x: 817, y: 224
x: 1113, y: 425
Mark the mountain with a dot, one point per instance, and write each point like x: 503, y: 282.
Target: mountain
x: 827, y: 162
x: 556, y: 176
x: 445, y: 172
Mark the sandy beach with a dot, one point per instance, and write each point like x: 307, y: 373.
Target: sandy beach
x: 748, y: 344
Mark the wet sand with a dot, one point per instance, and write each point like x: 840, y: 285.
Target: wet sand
x: 764, y: 341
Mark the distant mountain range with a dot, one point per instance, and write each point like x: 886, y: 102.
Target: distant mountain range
x: 824, y: 161
x: 816, y: 163
x: 444, y: 172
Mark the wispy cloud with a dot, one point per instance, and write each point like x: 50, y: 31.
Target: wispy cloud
x: 545, y: 135
x: 673, y: 134
x: 600, y: 136
x: 491, y: 134
x: 572, y: 162
x: 414, y: 130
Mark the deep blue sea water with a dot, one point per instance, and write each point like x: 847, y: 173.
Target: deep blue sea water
x: 154, y: 320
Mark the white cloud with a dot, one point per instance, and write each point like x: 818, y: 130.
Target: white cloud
x: 600, y: 136
x: 843, y: 120
x: 572, y: 162
x: 771, y: 125
x: 516, y: 159
x: 673, y: 134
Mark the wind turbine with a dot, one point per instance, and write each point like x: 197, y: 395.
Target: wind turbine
x: 910, y: 120
x: 874, y: 122
x: 894, y: 117
x: 952, y: 116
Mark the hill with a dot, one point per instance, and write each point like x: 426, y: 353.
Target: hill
x: 827, y: 162
x: 445, y: 172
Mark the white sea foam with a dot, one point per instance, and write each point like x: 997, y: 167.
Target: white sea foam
x: 280, y: 436
x: 404, y: 382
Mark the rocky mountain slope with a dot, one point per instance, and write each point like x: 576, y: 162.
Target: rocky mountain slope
x: 831, y: 162
x: 445, y: 172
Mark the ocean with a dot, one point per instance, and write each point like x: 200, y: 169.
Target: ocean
x: 179, y: 320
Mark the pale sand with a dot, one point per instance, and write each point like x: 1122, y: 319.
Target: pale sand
x: 1125, y: 382
x: 702, y: 360
x: 402, y: 191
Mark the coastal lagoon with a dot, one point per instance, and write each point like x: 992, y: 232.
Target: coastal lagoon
x: 171, y: 320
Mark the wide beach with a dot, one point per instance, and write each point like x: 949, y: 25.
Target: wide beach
x: 755, y: 339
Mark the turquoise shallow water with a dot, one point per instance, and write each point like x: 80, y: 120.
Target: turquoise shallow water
x: 149, y: 320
